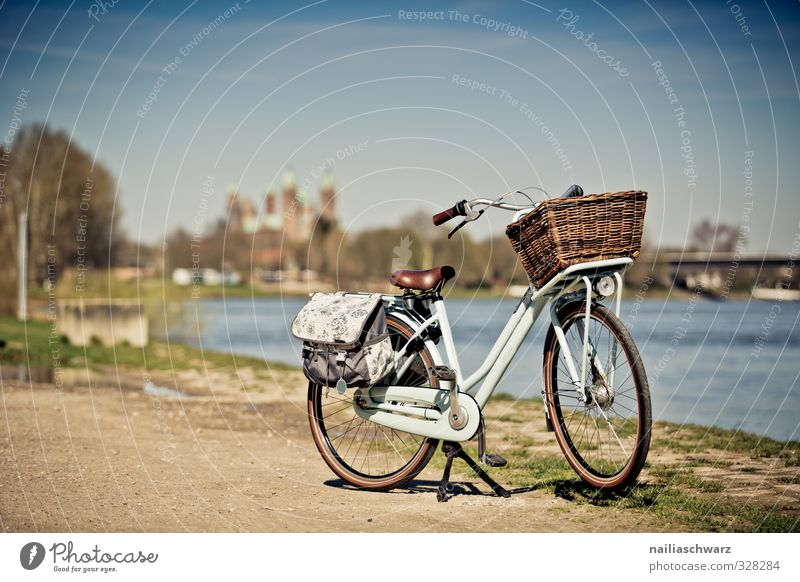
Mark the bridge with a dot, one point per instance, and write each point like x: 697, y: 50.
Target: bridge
x: 718, y: 272
x: 684, y: 260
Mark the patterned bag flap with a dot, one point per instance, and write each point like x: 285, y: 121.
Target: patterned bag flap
x: 334, y: 318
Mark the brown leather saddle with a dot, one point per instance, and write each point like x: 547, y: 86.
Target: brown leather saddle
x: 423, y: 280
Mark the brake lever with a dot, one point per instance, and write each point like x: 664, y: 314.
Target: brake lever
x: 471, y: 216
x: 456, y: 229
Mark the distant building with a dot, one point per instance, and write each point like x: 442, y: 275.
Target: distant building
x: 291, y: 206
x: 183, y: 277
x: 272, y: 228
x: 211, y: 277
x: 327, y: 200
x: 234, y: 218
x: 296, y: 219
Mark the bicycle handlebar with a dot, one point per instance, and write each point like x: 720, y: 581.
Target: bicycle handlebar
x: 458, y: 210
x: 464, y: 208
x: 495, y: 204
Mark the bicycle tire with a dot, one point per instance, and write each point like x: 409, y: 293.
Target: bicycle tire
x: 334, y: 454
x: 594, y: 471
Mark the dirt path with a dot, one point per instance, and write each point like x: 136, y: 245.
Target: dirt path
x: 114, y: 458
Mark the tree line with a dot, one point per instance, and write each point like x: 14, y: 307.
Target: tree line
x: 69, y: 200
x: 354, y: 259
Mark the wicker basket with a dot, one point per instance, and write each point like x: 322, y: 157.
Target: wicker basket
x: 561, y: 232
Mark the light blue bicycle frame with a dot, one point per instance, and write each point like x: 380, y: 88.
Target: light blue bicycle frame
x: 482, y: 383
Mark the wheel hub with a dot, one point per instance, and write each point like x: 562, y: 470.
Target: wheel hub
x: 602, y: 394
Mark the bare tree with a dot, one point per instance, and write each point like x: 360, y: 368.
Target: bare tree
x: 721, y: 237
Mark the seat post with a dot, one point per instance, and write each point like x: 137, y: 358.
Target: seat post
x: 438, y: 308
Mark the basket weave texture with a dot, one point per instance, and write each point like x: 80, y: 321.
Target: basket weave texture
x: 561, y: 232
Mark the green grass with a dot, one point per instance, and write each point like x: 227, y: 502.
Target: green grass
x: 505, y: 397
x: 519, y: 441
x: 673, y: 497
x: 674, y: 475
x: 99, y: 285
x: 35, y: 344
x: 691, y: 438
x: 502, y: 397
x: 789, y: 479
x: 537, y: 472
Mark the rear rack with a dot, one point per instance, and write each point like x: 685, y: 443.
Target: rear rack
x: 569, y: 276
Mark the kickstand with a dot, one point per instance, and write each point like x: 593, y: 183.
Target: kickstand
x: 453, y: 450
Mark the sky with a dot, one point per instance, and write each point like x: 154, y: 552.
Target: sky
x: 416, y: 105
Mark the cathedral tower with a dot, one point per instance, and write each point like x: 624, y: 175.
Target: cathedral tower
x: 327, y: 199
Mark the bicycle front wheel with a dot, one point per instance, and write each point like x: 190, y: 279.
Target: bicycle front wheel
x: 365, y: 454
x: 605, y: 434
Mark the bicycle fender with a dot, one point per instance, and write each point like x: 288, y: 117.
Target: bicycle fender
x: 414, y: 324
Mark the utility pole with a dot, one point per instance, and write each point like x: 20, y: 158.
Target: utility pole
x: 22, y: 276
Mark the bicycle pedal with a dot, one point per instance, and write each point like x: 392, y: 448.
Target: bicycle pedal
x: 444, y: 373
x: 493, y: 460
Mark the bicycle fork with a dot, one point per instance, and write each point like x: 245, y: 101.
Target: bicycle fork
x: 589, y: 360
x: 601, y: 392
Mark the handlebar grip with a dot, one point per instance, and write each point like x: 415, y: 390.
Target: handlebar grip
x: 450, y: 213
x: 444, y: 216
x: 573, y: 191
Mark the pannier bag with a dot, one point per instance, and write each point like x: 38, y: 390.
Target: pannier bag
x: 345, y: 340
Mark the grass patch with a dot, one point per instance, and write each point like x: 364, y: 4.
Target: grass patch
x: 98, y: 284
x: 520, y: 441
x: 32, y: 344
x: 691, y: 438
x: 536, y: 472
x: 505, y: 397
x: 674, y: 498
x: 675, y: 476
x: 789, y: 479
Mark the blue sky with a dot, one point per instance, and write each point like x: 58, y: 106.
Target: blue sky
x: 284, y: 84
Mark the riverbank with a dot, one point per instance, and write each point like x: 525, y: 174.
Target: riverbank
x: 159, y: 291
x: 196, y: 441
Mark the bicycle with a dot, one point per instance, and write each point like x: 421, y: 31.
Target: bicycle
x: 381, y: 437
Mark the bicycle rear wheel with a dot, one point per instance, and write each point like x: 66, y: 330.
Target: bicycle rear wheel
x: 605, y: 437
x: 365, y: 454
